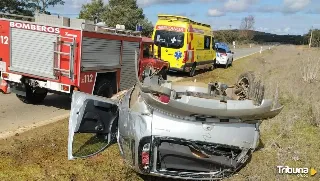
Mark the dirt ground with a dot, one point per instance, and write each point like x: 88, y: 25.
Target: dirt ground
x: 290, y: 139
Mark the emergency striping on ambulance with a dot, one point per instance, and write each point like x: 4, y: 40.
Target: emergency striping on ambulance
x: 195, y: 30
x: 170, y: 28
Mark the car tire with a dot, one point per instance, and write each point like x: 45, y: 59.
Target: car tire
x: 33, y: 96
x: 104, y: 89
x: 255, y: 88
x: 227, y: 65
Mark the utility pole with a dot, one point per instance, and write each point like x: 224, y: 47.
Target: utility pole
x: 310, y: 41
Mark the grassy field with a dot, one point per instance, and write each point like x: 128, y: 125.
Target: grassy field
x: 291, y: 138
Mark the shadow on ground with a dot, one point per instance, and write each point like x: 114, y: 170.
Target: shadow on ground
x: 174, y: 74
x: 58, y: 101
x: 151, y: 178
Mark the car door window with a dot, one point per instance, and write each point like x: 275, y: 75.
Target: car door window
x: 93, y: 121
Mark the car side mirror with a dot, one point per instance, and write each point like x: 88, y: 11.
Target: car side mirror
x: 232, y: 52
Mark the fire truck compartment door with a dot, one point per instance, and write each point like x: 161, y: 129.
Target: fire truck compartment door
x: 98, y: 52
x: 32, y: 52
x: 128, y: 67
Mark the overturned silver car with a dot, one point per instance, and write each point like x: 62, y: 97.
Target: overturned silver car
x: 174, y: 129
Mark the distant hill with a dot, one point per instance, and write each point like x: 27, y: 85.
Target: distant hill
x: 258, y: 37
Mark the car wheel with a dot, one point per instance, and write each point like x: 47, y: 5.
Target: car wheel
x: 227, y: 65
x: 254, y: 89
x: 104, y: 89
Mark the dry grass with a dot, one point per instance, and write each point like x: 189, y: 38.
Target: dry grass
x: 310, y: 70
x: 231, y: 74
x: 42, y: 155
x: 291, y: 138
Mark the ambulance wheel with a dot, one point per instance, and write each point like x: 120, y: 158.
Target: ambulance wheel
x: 104, y: 89
x: 193, y: 70
x: 33, y: 96
x: 215, y: 64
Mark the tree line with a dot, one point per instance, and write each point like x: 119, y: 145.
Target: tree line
x: 251, y: 36
x: 315, y: 39
x: 115, y: 12
x: 27, y: 7
x: 125, y: 12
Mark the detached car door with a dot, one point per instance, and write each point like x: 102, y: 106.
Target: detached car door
x: 93, y: 125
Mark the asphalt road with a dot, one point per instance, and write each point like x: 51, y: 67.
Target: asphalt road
x: 16, y: 116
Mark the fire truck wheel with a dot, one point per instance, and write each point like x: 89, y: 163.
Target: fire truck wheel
x: 33, y: 96
x: 104, y: 89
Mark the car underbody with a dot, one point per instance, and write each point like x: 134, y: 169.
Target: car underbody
x: 185, y: 130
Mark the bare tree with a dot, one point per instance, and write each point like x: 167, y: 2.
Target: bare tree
x: 247, y: 27
x: 247, y: 23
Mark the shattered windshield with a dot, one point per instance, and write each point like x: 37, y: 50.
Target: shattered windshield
x: 169, y: 39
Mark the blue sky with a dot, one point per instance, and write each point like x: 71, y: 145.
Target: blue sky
x: 273, y: 16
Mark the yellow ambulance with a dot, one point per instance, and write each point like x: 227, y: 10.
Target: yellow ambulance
x: 187, y: 45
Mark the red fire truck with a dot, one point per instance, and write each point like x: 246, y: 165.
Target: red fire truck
x: 37, y: 58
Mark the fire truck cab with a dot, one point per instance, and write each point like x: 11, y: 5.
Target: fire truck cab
x: 59, y: 55
x: 150, y: 60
